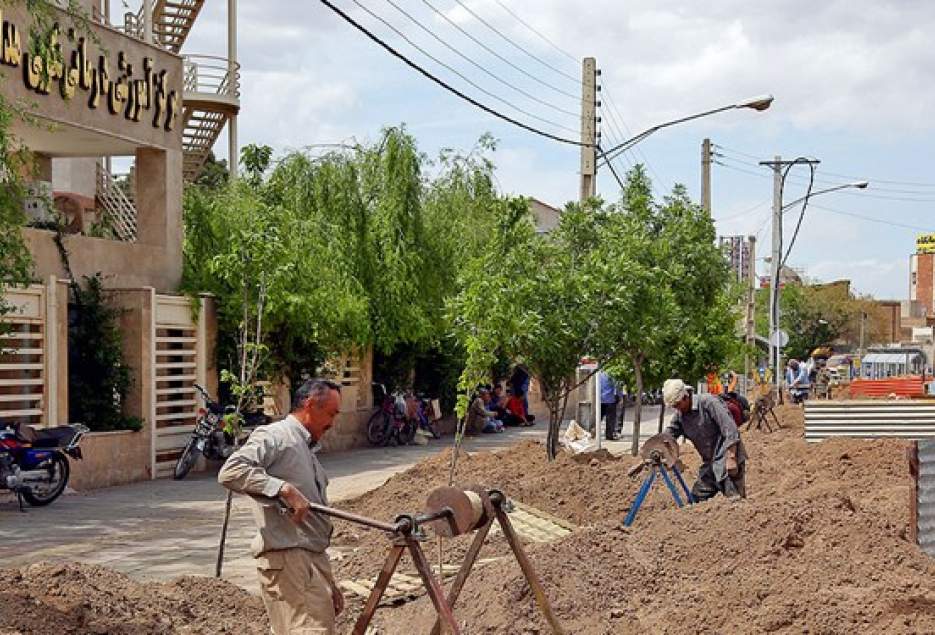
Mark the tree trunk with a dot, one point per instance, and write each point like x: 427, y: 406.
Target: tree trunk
x: 662, y: 414
x: 637, y: 406
x: 551, y: 445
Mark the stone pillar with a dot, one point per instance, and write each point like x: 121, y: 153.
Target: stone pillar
x: 137, y: 326
x: 158, y: 178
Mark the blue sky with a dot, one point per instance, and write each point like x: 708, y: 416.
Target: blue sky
x: 854, y: 84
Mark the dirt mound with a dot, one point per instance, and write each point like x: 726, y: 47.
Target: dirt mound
x: 819, y: 546
x: 57, y: 598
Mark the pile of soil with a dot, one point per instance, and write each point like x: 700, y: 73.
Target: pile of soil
x: 820, y: 545
x: 56, y: 599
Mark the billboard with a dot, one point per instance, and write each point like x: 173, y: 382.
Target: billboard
x: 925, y: 244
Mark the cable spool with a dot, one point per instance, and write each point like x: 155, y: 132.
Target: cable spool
x: 467, y: 510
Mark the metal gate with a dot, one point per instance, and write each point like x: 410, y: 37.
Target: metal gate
x: 177, y: 367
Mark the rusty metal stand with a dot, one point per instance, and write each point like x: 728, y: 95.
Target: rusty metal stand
x: 494, y: 510
x: 432, y: 585
x: 762, y: 410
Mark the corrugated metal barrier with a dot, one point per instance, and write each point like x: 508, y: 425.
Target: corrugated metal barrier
x: 906, y: 419
x: 926, y: 497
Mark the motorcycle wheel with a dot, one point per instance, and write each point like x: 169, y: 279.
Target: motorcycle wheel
x: 186, y: 460
x: 378, y: 428
x: 58, y: 466
x: 407, y: 432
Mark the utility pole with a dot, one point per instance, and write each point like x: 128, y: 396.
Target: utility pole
x: 706, y: 175
x: 233, y: 152
x: 588, y: 128
x: 775, y: 350
x: 775, y: 257
x: 750, y: 325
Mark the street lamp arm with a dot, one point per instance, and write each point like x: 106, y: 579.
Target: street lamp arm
x: 859, y: 185
x: 757, y: 103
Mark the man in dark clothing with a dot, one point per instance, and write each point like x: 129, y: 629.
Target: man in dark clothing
x: 705, y: 421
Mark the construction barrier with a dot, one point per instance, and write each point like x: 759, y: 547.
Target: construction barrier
x: 911, y: 386
x: 868, y: 419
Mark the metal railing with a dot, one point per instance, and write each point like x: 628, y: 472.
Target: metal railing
x: 212, y: 75
x: 117, y: 205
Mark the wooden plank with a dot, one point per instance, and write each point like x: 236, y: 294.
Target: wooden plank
x: 175, y: 352
x: 21, y: 413
x: 171, y: 416
x: 176, y: 340
x: 175, y: 378
x: 175, y: 365
x: 182, y: 390
x: 33, y: 381
x: 30, y: 366
x: 20, y: 335
x: 20, y: 351
x: 21, y: 397
x: 176, y: 404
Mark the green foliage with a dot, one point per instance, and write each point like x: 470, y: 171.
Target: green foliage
x: 214, y: 173
x: 98, y: 377
x: 369, y: 245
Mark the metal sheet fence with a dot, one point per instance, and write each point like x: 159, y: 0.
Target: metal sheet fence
x: 926, y: 496
x: 906, y: 419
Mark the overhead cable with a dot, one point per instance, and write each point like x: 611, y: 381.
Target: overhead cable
x: 460, y: 74
x: 533, y: 30
x: 427, y: 74
x: 480, y: 67
x: 457, y: 26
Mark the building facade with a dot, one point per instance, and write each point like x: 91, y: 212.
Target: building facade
x: 110, y: 92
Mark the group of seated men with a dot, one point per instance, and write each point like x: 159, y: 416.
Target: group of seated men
x: 491, y: 410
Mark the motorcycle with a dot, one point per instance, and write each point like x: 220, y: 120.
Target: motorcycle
x: 219, y: 430
x: 34, y: 463
x: 390, y: 422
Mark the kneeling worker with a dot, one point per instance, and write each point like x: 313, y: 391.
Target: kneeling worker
x: 296, y: 582
x: 706, y: 422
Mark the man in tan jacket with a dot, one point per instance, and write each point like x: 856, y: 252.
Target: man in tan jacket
x: 277, y: 461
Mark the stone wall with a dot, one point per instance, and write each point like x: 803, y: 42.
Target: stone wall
x: 111, y: 458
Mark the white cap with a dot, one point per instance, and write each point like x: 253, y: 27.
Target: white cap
x: 673, y: 391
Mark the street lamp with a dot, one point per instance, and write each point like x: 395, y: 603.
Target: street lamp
x: 860, y: 185
x: 776, y: 348
x: 758, y: 103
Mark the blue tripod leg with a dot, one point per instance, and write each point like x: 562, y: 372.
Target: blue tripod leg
x: 670, y: 485
x: 688, y: 492
x: 640, y: 497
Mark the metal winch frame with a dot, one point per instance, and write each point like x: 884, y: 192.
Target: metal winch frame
x: 660, y: 454
x: 450, y: 511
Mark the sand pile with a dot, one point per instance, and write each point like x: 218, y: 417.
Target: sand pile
x: 54, y: 599
x: 819, y: 546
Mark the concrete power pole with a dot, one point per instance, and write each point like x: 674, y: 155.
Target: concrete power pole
x: 706, y: 175
x: 750, y: 323
x: 233, y: 151
x: 588, y: 128
x: 775, y: 257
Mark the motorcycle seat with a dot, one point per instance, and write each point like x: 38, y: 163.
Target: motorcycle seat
x: 59, y: 436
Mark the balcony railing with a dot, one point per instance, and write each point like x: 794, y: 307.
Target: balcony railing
x: 211, y: 75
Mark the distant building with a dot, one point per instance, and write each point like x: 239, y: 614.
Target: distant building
x: 921, y: 285
x: 546, y: 217
x: 737, y: 251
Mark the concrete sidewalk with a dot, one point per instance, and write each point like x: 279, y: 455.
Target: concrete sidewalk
x: 164, y: 528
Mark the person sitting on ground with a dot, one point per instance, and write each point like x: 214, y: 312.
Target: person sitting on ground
x: 705, y: 421
x: 479, y: 418
x: 516, y: 414
x: 497, y: 401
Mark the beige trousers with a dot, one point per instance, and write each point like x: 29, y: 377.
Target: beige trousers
x: 296, y: 588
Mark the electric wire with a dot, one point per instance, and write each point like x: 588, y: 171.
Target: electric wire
x: 427, y: 74
x: 480, y: 67
x: 510, y: 41
x: 535, y: 31
x: 741, y: 214
x: 798, y: 224
x: 457, y: 26
x: 457, y: 72
x: 846, y: 177
x: 872, y: 219
x: 612, y: 108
